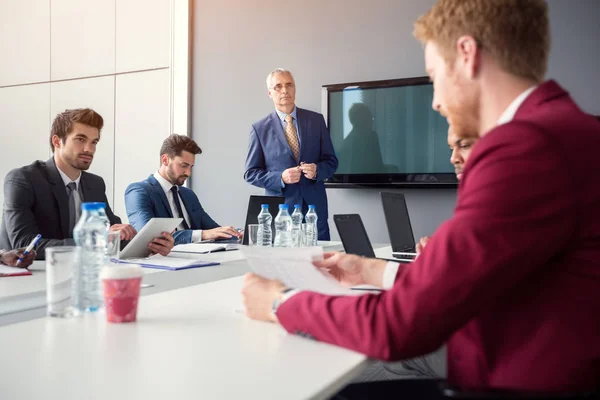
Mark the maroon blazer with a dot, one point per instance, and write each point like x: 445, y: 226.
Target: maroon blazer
x: 512, y: 281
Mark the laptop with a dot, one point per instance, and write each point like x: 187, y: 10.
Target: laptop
x: 354, y: 236
x: 254, y: 204
x: 398, y: 225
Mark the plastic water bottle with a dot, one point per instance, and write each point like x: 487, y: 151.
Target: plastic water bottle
x: 312, y: 232
x: 297, y: 218
x: 264, y: 234
x: 90, y: 234
x: 283, y: 227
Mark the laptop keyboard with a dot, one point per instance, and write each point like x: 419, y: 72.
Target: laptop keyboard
x: 404, y: 256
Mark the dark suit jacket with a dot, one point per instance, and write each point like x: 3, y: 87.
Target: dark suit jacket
x: 269, y: 154
x: 35, y: 201
x: 511, y: 281
x: 146, y: 199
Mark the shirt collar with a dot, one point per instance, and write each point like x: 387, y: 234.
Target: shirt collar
x: 512, y: 108
x: 68, y: 180
x: 282, y: 115
x: 165, y: 184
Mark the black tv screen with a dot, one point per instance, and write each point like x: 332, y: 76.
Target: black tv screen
x: 386, y: 134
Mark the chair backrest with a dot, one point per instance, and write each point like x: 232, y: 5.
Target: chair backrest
x: 254, y: 204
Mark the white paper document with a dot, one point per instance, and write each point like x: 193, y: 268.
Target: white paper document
x: 170, y: 263
x: 293, y: 267
x: 204, y: 248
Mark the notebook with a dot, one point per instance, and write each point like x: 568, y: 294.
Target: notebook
x: 6, y: 271
x: 168, y: 263
x: 204, y: 248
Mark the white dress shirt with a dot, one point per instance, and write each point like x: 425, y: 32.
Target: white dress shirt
x: 76, y: 195
x: 166, y: 186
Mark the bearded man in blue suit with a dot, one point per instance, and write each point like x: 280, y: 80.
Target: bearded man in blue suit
x: 290, y: 151
x: 163, y: 195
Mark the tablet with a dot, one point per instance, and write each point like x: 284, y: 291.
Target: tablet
x: 138, y: 246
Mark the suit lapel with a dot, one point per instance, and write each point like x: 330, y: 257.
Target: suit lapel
x: 276, y: 122
x: 185, y: 203
x: 86, y: 190
x: 160, y: 193
x: 302, y: 131
x: 60, y: 194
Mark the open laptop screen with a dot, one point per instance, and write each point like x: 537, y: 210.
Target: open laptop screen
x: 353, y: 234
x: 398, y: 222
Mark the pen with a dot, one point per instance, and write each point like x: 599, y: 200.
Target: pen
x: 30, y: 247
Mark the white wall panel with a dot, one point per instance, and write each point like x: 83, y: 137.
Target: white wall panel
x: 141, y: 124
x: 180, y: 68
x: 24, y: 43
x: 24, y: 112
x: 143, y: 34
x: 83, y: 38
x: 98, y: 94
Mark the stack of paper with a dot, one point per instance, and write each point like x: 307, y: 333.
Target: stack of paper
x: 203, y: 248
x: 293, y: 267
x: 170, y: 263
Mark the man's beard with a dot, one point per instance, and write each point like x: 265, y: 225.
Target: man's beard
x: 463, y: 112
x: 176, y: 180
x: 79, y: 164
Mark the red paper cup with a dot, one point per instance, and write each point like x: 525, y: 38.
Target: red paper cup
x: 121, y: 292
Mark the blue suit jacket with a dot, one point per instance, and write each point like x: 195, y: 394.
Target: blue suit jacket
x: 269, y: 154
x: 146, y: 199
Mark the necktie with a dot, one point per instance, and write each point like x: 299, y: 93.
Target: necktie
x: 291, y: 136
x: 178, y: 206
x: 71, y: 188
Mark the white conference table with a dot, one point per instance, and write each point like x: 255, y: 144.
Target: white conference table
x: 190, y: 342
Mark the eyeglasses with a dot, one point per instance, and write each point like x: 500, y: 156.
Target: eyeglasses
x: 279, y: 87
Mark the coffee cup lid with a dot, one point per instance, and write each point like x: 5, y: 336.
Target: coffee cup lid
x: 127, y: 271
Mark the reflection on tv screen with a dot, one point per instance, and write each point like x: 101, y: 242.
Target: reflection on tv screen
x: 388, y: 130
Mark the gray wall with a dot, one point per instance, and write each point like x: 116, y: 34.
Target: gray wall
x: 236, y: 43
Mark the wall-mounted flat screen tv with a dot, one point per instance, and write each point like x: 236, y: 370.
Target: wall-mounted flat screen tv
x: 386, y: 134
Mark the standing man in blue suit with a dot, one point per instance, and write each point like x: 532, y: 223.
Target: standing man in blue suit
x: 163, y: 196
x: 290, y: 151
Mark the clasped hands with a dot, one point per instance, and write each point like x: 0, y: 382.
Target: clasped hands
x: 292, y: 175
x: 350, y: 270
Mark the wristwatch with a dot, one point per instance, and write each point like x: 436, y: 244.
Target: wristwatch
x: 278, y: 300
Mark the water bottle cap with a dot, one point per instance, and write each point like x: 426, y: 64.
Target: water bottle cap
x: 282, y: 206
x: 93, y: 206
x: 264, y: 206
x: 311, y: 206
x: 297, y: 206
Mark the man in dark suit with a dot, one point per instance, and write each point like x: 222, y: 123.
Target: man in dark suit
x: 290, y: 151
x: 511, y: 281
x: 162, y: 195
x: 45, y: 196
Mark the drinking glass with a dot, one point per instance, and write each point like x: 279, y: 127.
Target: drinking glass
x: 113, y: 245
x: 60, y: 266
x: 252, y: 233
